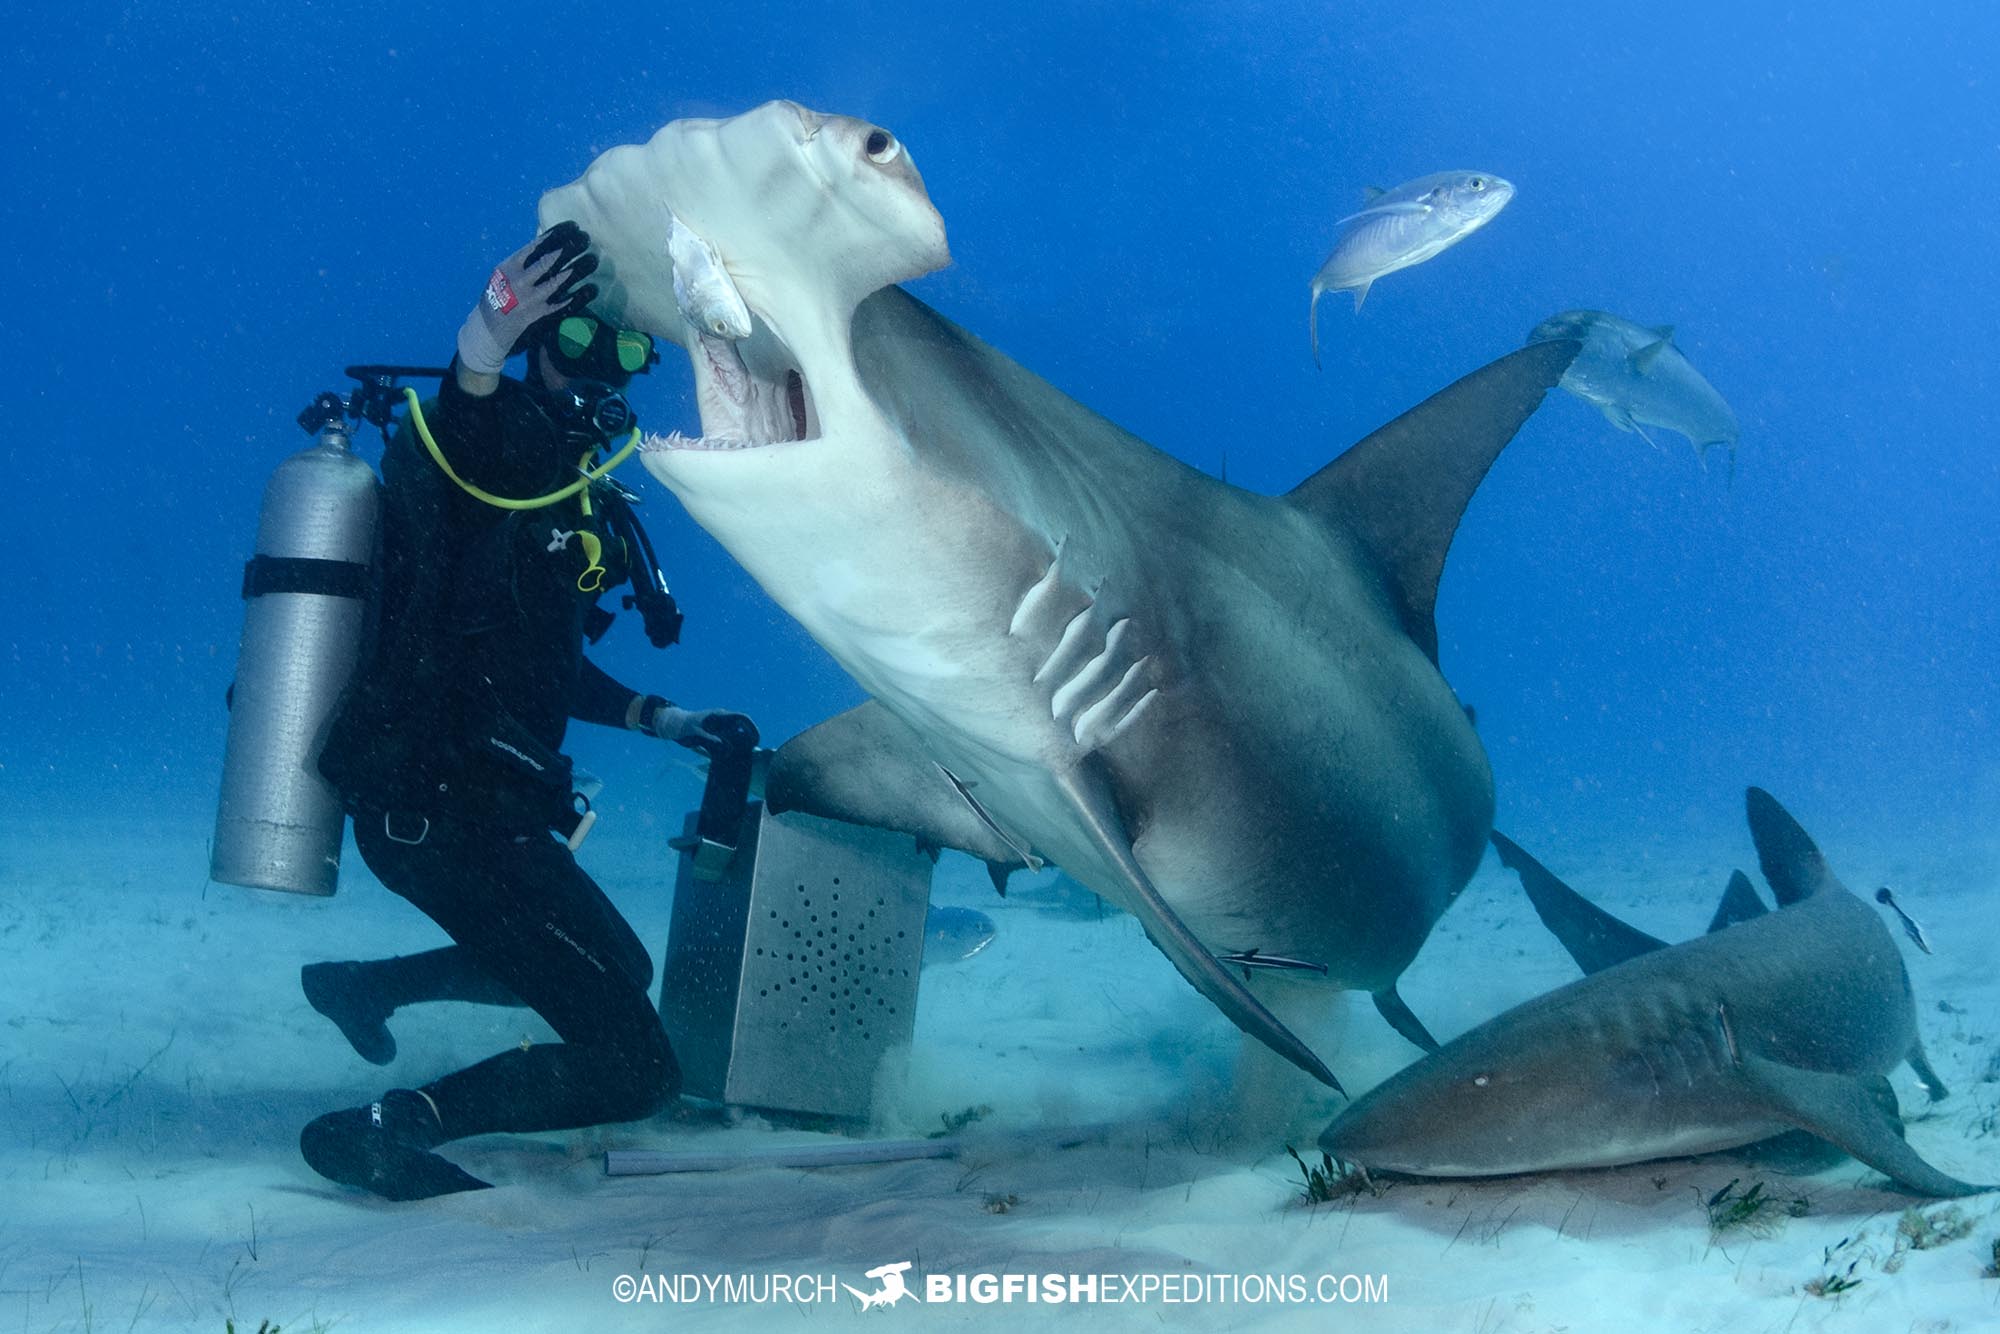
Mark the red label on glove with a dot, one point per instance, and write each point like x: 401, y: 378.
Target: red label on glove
x: 500, y: 293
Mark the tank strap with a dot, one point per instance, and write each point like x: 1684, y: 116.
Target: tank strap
x: 304, y: 574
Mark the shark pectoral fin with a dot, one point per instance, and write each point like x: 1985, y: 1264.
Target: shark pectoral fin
x: 1618, y: 417
x: 1739, y: 903
x: 1640, y: 431
x: 867, y: 767
x: 1390, y: 1005
x: 1848, y: 1112
x: 1593, y: 937
x: 1089, y: 798
x: 1402, y: 490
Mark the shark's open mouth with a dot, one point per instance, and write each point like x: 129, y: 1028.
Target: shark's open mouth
x: 750, y: 393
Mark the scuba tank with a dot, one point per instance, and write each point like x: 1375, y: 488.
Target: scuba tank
x: 309, y: 590
x: 278, y: 824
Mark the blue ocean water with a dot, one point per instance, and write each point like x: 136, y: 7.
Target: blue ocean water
x: 211, y: 209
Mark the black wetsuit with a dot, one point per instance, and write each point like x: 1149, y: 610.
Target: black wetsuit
x: 447, y: 753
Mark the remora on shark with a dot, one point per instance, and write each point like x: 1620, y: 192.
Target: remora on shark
x: 1771, y: 1022
x: 1219, y: 710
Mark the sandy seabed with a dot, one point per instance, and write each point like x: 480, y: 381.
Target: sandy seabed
x: 157, y: 1061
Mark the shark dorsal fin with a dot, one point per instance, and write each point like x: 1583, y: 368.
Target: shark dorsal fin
x: 1593, y: 937
x: 1371, y: 193
x: 1739, y: 903
x: 1792, y: 863
x: 1643, y: 359
x: 1403, y: 489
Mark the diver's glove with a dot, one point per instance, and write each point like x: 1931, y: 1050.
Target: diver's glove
x: 714, y: 732
x: 541, y: 282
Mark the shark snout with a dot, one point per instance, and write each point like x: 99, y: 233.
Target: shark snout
x: 1449, y: 1116
x: 810, y: 122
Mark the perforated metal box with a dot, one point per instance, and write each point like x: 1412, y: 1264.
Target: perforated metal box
x: 787, y: 979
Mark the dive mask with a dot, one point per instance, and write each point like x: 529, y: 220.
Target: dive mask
x: 584, y: 347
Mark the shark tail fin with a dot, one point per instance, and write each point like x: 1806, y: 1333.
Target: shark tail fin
x: 1739, y: 903
x: 1792, y: 863
x: 1593, y: 937
x: 1403, y: 489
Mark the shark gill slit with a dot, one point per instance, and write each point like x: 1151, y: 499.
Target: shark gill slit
x: 1074, y: 641
x: 1091, y: 675
x: 1108, y: 719
x: 1036, y: 613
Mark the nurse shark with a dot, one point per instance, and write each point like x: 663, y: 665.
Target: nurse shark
x: 1221, y: 711
x: 1771, y: 1022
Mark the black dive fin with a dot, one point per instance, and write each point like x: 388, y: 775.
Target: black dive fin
x: 1403, y: 489
x: 1593, y: 937
x: 1847, y: 1111
x: 867, y: 767
x: 1391, y: 1007
x: 1921, y: 1063
x: 1792, y: 863
x: 1739, y: 903
x: 1089, y: 796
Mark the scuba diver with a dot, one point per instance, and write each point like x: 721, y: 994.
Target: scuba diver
x: 446, y: 749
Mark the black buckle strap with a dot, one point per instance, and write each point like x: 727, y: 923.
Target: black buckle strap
x: 304, y: 574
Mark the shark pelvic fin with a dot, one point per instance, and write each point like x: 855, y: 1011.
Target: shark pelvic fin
x: 1792, y: 863
x: 1739, y: 903
x: 1403, y: 489
x: 1848, y: 1112
x: 1088, y: 795
x: 1593, y: 937
x: 1391, y: 1006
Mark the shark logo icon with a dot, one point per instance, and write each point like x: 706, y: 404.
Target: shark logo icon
x: 893, y: 1288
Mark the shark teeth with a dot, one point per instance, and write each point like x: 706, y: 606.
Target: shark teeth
x: 675, y: 440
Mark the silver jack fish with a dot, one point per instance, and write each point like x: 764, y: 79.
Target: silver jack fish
x: 702, y: 287
x: 1404, y: 226
x: 1637, y: 378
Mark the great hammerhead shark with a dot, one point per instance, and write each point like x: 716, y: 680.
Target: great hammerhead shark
x: 1773, y: 1021
x: 1221, y: 711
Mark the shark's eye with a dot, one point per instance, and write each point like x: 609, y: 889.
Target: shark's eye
x: 881, y: 147
x: 1479, y: 182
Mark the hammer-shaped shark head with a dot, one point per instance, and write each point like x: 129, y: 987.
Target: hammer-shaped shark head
x: 807, y: 215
